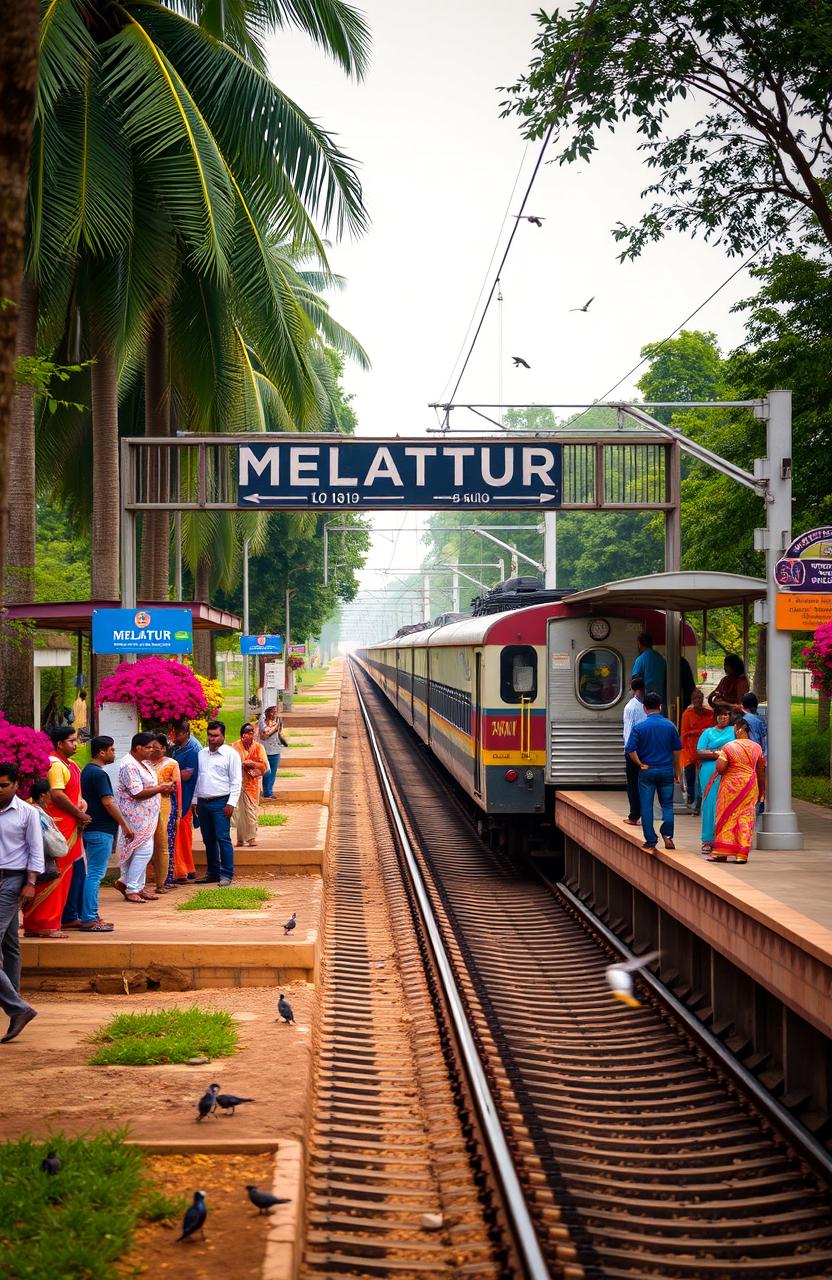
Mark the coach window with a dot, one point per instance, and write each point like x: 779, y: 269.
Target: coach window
x: 518, y: 673
x: 600, y: 676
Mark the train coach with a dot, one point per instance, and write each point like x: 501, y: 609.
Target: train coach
x: 521, y: 703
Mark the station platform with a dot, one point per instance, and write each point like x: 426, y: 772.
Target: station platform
x: 771, y: 918
x: 296, y: 848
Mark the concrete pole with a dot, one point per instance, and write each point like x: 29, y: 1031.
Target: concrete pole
x: 246, y: 659
x: 426, y: 598
x: 177, y: 535
x: 550, y: 550
x: 672, y: 564
x: 455, y: 590
x: 778, y: 826
x: 514, y: 566
x: 287, y: 674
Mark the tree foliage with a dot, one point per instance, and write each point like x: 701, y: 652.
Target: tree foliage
x: 731, y: 100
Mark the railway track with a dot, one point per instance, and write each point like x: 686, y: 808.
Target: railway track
x: 636, y: 1152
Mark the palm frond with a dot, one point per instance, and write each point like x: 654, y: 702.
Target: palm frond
x: 67, y: 52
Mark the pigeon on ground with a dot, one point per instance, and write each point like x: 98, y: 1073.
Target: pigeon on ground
x: 285, y: 1009
x: 208, y: 1102
x: 51, y: 1163
x: 194, y: 1219
x: 619, y: 976
x: 229, y: 1101
x: 262, y: 1200
x: 290, y: 923
x: 585, y: 307
x: 518, y: 361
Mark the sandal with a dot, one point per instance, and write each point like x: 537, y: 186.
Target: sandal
x: 134, y: 897
x: 53, y: 933
x: 632, y: 822
x: 122, y: 888
x: 97, y: 926
x: 668, y: 844
x: 148, y: 897
x: 713, y: 857
x: 71, y: 924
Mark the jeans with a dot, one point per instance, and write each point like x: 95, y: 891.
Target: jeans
x: 74, y: 900
x: 134, y: 870
x: 216, y: 833
x: 651, y: 781
x: 633, y: 775
x: 99, y: 847
x: 270, y: 775
x: 10, y: 1000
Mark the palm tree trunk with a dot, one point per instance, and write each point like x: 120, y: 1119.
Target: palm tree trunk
x: 204, y: 658
x: 16, y: 673
x: 104, y: 547
x: 155, y: 563
x: 19, y: 34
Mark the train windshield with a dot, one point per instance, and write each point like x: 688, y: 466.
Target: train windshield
x: 600, y: 675
x: 518, y: 673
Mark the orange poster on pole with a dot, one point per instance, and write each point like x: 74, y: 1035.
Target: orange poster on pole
x: 802, y: 612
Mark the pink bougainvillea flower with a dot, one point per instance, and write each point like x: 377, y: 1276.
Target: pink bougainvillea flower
x: 161, y: 689
x: 28, y: 748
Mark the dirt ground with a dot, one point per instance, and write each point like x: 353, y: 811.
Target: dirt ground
x: 48, y: 1086
x: 235, y: 1234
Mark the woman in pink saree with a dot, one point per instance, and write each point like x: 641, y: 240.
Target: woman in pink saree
x: 742, y: 772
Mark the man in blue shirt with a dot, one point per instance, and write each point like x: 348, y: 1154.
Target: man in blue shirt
x: 186, y: 749
x: 655, y: 747
x: 758, y: 729
x: 651, y: 666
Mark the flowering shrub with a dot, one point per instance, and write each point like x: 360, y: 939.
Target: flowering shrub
x: 28, y: 748
x: 818, y: 657
x: 162, y: 689
x: 214, y: 697
x: 295, y: 662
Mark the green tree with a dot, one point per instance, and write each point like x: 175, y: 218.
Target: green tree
x: 685, y: 368
x: 753, y: 165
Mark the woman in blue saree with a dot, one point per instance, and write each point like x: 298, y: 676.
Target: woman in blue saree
x: 708, y: 748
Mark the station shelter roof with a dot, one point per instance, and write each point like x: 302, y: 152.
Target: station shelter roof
x: 77, y: 615
x: 682, y: 592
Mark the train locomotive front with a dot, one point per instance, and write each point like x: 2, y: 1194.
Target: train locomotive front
x: 519, y: 704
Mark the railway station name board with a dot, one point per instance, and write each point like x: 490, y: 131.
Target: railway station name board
x: 415, y: 474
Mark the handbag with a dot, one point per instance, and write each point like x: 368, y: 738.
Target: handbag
x: 54, y: 847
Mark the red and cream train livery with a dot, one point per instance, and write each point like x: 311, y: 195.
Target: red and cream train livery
x: 514, y: 703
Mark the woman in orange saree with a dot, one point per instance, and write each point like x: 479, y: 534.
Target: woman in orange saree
x: 741, y: 766
x: 42, y: 915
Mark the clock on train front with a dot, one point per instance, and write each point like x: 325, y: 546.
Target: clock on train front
x: 598, y: 628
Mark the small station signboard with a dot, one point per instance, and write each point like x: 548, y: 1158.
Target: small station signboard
x: 804, y: 581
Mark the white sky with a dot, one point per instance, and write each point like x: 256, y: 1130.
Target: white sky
x: 438, y: 165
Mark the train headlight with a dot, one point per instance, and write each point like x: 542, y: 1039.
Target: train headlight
x: 530, y: 775
x: 511, y: 775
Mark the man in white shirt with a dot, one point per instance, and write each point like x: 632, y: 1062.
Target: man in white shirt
x: 21, y: 861
x: 633, y: 713
x: 218, y: 785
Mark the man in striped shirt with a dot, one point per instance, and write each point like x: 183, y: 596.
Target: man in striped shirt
x: 633, y: 713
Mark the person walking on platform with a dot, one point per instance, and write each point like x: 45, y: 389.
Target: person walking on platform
x: 255, y: 765
x: 733, y: 684
x: 740, y: 767
x: 270, y: 736
x: 651, y: 666
x: 21, y: 862
x: 655, y: 747
x: 707, y: 751
x: 218, y: 787
x: 633, y: 713
x: 186, y: 749
x: 695, y: 720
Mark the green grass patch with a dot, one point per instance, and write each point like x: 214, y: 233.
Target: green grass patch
x: 233, y: 898
x: 296, y: 742
x: 272, y: 820
x: 289, y: 773
x: 816, y: 789
x: 308, y: 698
x: 77, y: 1224
x: 168, y: 1035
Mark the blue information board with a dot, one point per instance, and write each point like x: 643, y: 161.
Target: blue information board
x: 261, y: 644
x: 142, y: 631
x: 371, y: 475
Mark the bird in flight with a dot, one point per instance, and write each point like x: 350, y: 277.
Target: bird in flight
x: 585, y: 307
x: 533, y: 218
x: 620, y: 977
x: 518, y: 361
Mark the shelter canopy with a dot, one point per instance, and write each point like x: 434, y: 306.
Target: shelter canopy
x: 687, y: 592
x: 77, y: 615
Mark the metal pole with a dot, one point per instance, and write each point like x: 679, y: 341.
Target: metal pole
x: 455, y: 590
x: 287, y: 674
x: 550, y: 550
x: 672, y: 564
x: 177, y: 533
x: 246, y: 660
x: 426, y: 598
x: 778, y: 827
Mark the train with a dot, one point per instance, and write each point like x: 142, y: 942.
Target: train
x: 519, y: 704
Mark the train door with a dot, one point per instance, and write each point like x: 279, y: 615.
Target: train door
x: 478, y: 723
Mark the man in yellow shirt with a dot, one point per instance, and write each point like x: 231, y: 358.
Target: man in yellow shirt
x: 255, y: 764
x: 79, y: 711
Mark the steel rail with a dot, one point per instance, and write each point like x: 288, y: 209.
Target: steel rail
x: 525, y: 1235
x: 806, y: 1142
